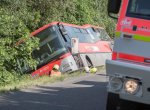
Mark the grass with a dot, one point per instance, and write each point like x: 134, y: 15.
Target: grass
x: 28, y: 81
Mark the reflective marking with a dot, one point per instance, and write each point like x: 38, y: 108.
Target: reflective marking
x: 135, y: 37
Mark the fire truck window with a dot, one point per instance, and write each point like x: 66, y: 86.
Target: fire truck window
x: 139, y: 9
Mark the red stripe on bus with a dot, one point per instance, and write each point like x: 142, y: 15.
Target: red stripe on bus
x: 42, y: 28
x: 77, y: 26
x: 72, y: 25
x: 100, y: 46
x: 55, y: 23
x: 45, y: 70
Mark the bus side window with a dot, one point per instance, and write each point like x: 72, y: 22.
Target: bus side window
x: 103, y: 34
x: 77, y: 30
x: 84, y: 31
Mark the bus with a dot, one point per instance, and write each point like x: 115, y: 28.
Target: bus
x: 70, y: 46
x: 129, y: 69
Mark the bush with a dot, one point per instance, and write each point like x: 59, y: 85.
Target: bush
x: 20, y: 17
x: 14, y: 27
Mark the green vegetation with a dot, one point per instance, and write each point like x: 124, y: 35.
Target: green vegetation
x: 27, y: 81
x: 20, y: 17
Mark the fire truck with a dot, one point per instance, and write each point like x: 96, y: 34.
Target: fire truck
x: 70, y: 46
x: 129, y: 69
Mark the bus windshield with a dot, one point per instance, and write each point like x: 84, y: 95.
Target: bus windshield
x: 50, y: 47
x: 139, y: 9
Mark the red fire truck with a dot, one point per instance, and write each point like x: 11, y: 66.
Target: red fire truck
x: 69, y: 46
x: 129, y: 69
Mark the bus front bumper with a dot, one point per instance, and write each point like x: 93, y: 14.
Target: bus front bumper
x: 121, y: 72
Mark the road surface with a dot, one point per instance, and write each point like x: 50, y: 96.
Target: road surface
x: 80, y: 93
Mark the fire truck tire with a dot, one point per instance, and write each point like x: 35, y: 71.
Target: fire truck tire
x: 115, y: 103
x: 112, y: 102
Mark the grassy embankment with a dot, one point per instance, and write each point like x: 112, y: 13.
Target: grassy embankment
x: 28, y: 81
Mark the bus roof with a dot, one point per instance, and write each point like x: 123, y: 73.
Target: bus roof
x: 62, y: 23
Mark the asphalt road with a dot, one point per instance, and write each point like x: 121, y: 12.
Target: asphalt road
x: 82, y: 93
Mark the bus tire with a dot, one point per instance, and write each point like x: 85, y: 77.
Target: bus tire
x: 78, y: 62
x: 115, y: 103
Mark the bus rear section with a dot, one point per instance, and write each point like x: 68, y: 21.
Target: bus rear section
x: 129, y: 69
x: 93, y: 50
x: 103, y: 41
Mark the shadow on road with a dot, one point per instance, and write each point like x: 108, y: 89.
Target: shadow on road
x: 84, y: 95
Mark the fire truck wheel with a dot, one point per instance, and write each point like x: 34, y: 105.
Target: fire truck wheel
x: 112, y: 102
x: 115, y: 103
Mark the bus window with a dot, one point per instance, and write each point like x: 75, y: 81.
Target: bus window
x: 84, y: 31
x: 85, y: 38
x: 77, y: 30
x: 102, y: 34
x: 92, y: 34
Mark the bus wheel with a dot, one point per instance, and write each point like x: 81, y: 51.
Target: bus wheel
x: 115, y: 103
x: 78, y: 62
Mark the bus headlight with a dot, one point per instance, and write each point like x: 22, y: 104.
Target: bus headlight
x: 131, y: 86
x: 116, y: 83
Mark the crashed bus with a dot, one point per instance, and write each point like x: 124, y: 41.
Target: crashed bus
x: 129, y: 69
x: 70, y: 46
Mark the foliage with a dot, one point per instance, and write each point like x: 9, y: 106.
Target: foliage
x: 14, y: 27
x: 74, y: 11
x: 20, y: 17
